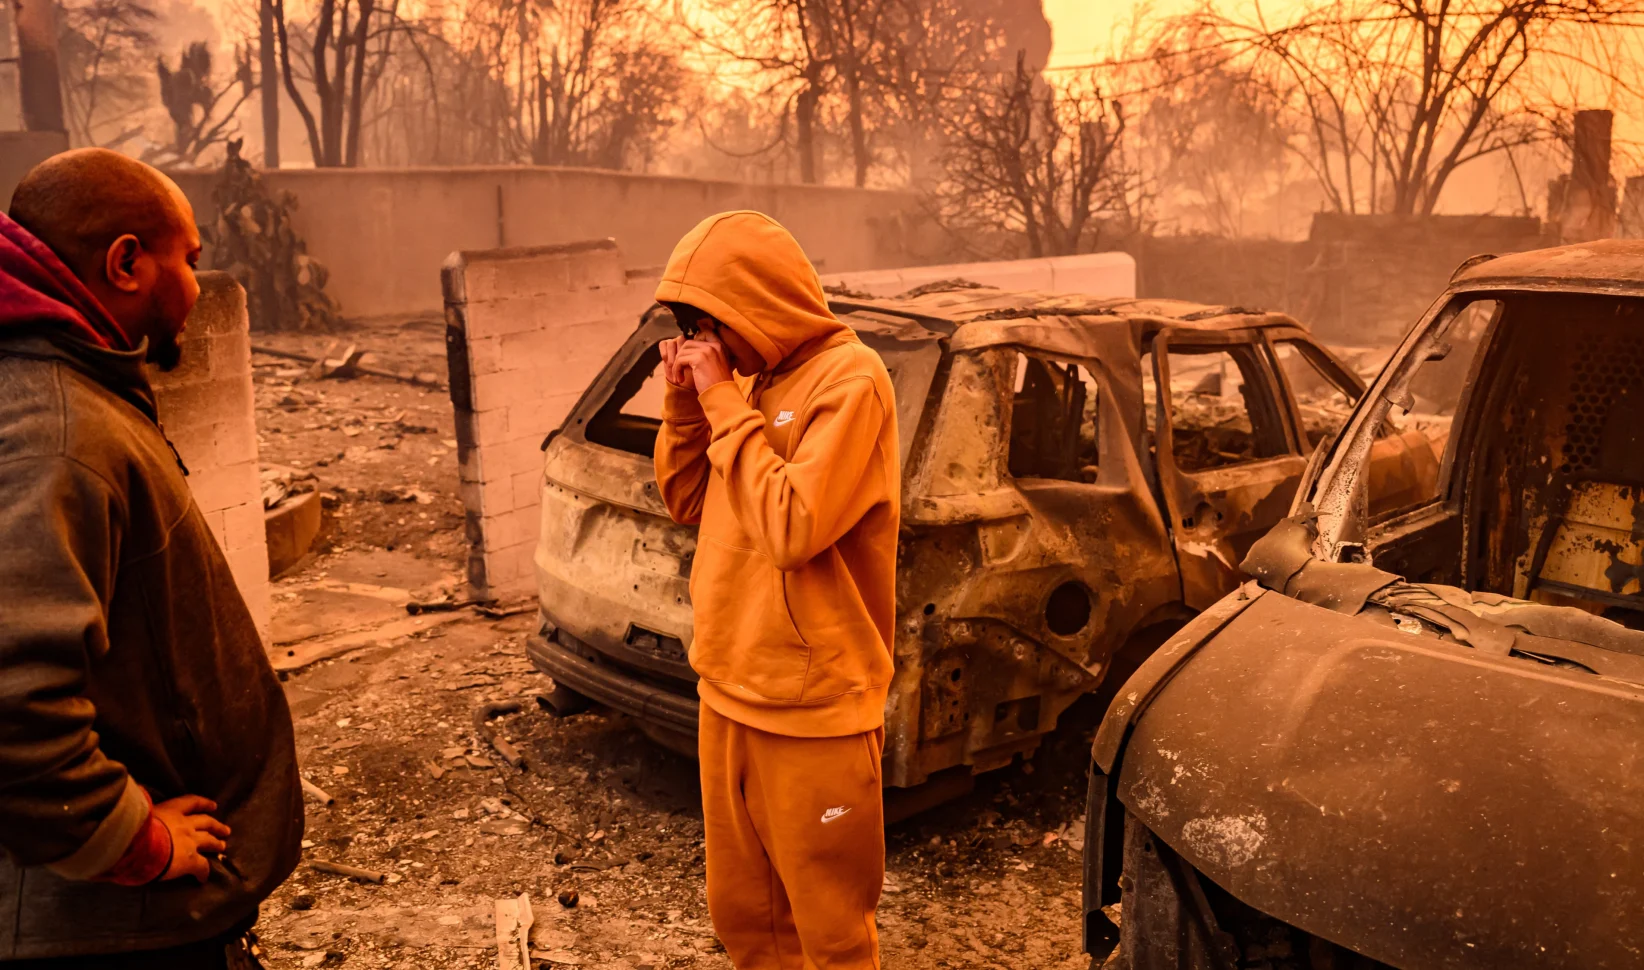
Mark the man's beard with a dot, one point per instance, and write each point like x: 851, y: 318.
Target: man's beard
x: 165, y: 352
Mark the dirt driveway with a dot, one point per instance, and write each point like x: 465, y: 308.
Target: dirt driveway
x: 600, y: 828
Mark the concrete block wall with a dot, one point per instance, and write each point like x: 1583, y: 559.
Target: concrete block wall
x: 526, y: 329
x: 383, y: 233
x: 209, y: 413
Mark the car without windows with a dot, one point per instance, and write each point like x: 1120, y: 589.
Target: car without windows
x: 1413, y: 740
x: 1080, y: 477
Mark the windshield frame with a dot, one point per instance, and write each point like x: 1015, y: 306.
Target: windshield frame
x: 1337, y: 492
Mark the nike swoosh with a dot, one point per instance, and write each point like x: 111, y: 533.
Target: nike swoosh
x: 779, y: 422
x: 834, y: 813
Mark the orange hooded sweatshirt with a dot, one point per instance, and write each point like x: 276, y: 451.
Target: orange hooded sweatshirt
x: 794, y: 477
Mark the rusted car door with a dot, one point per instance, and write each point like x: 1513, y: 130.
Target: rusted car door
x: 1076, y: 470
x: 1032, y: 548
x: 1228, y: 459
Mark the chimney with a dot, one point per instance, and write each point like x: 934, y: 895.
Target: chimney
x: 1587, y: 209
x: 37, y: 78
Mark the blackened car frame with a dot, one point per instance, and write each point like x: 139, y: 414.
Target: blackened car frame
x: 1414, y: 739
x: 1080, y: 478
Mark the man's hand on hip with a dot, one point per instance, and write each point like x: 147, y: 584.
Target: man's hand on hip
x: 193, y: 833
x: 704, y: 358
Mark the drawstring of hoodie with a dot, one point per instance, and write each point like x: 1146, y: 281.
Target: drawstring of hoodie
x: 174, y: 452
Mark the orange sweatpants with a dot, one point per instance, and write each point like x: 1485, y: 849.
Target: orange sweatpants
x: 795, y: 844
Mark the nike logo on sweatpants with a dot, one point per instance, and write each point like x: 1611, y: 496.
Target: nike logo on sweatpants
x: 833, y: 813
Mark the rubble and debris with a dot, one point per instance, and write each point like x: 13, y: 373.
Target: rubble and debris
x: 348, y: 365
x: 352, y: 872
x: 280, y: 482
x: 317, y: 793
x: 514, y: 919
x: 482, y: 718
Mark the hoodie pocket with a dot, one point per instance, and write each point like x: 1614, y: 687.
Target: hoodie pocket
x: 744, y: 637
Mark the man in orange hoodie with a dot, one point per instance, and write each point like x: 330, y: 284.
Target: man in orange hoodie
x: 779, y: 438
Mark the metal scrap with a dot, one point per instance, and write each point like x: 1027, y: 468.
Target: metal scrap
x: 352, y: 872
x: 348, y: 365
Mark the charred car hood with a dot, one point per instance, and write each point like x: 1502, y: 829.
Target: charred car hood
x: 1420, y: 800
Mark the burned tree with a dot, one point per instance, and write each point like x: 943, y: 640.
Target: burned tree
x: 105, y: 49
x: 1042, y: 163
x: 253, y: 240
x: 193, y: 98
x: 342, y: 38
x: 1397, y: 95
x: 872, y: 76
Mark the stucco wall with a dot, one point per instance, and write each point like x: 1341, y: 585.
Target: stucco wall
x: 383, y: 233
x: 207, y: 408
x: 21, y: 151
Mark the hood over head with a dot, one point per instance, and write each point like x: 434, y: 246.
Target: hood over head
x: 750, y: 274
x: 38, y: 290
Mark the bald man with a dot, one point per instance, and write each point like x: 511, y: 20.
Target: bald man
x: 149, y: 798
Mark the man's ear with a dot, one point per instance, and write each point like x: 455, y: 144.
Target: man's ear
x: 120, y: 263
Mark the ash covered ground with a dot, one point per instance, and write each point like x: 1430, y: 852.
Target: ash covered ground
x: 600, y: 817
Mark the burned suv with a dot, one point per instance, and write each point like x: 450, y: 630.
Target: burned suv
x: 1053, y: 524
x: 1414, y: 739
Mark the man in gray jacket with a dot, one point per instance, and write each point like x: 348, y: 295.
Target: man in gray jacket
x: 149, y: 798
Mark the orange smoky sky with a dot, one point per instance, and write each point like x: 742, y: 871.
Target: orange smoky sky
x: 1084, y: 29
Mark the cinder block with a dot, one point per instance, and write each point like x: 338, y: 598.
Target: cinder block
x: 515, y: 571
x: 484, y: 355
x: 521, y: 455
x: 194, y: 365
x: 488, y: 498
x: 195, y: 445
x: 221, y: 307
x: 518, y: 277
x: 206, y: 402
x: 234, y: 442
x: 230, y: 354
x: 496, y: 318
x: 249, y: 566
x: 470, y: 468
x: 219, y: 528
x: 535, y: 349
x: 595, y: 268
x: 572, y: 308
x: 537, y: 418
x: 463, y: 421
x: 259, y: 601
x: 527, y: 489
x: 504, y: 388
x: 243, y: 527
x: 510, y: 528
x: 501, y: 570
x: 221, y: 486
x: 491, y: 427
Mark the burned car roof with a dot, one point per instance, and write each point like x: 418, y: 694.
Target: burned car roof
x: 1604, y: 265
x: 982, y: 316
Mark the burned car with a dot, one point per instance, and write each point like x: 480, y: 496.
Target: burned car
x: 1414, y: 738
x: 1053, y: 527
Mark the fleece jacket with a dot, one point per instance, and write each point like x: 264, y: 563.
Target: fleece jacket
x: 130, y: 667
